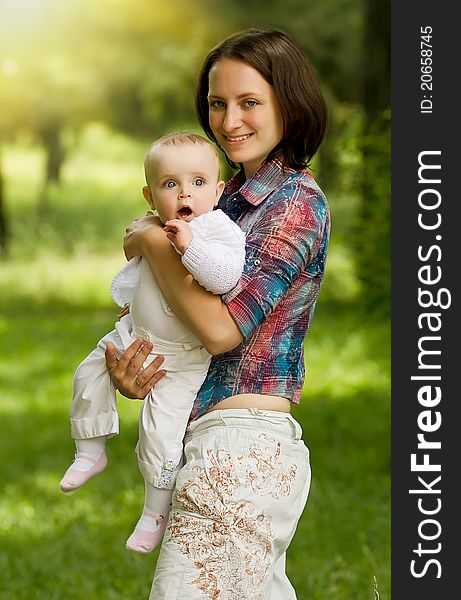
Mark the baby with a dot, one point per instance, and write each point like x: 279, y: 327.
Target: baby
x: 183, y: 186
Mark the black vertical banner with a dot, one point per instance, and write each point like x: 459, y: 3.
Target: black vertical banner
x: 426, y: 258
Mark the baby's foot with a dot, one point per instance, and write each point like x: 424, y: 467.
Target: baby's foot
x: 148, y: 533
x: 83, y: 468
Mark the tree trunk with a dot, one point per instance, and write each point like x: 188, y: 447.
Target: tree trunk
x: 4, y: 230
x: 373, y: 231
x: 51, y: 138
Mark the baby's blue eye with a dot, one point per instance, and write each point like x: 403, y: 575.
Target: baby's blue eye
x: 199, y: 181
x: 169, y: 184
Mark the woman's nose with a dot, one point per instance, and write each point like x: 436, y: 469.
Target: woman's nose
x: 232, y: 119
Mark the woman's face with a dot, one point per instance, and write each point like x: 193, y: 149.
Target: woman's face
x: 244, y: 113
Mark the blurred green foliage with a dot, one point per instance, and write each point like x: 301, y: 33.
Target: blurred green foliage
x: 132, y: 65
x: 372, y: 242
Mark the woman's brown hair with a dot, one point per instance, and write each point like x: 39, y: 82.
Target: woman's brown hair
x: 284, y: 65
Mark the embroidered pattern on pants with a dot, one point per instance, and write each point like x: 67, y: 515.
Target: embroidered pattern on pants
x: 232, y: 545
x: 264, y: 474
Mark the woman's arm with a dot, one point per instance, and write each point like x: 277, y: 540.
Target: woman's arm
x: 200, y: 311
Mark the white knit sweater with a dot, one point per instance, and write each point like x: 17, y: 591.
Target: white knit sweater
x: 215, y: 258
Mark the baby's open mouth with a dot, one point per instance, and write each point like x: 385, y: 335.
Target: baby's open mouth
x: 184, y: 212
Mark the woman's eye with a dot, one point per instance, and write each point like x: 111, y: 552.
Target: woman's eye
x: 250, y: 103
x: 217, y: 104
x: 199, y: 182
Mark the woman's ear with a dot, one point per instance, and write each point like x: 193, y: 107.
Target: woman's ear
x: 148, y: 196
x: 219, y: 190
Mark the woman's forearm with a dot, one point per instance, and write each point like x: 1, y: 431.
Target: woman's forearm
x: 199, y: 310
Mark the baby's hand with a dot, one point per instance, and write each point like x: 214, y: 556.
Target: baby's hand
x: 179, y: 233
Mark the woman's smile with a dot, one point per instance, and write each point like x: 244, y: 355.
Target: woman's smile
x: 235, y: 139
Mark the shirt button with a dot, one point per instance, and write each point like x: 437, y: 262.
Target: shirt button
x: 169, y: 309
x: 257, y: 262
x: 145, y: 336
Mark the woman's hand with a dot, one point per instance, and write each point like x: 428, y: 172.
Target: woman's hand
x: 127, y: 372
x: 146, y: 229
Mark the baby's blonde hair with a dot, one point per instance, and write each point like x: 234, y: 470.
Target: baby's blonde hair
x: 179, y: 138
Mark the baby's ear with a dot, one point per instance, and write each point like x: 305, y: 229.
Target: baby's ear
x: 219, y: 190
x: 148, y: 196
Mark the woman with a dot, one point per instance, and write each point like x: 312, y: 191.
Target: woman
x: 246, y: 476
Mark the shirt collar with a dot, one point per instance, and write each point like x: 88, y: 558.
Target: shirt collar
x: 256, y: 189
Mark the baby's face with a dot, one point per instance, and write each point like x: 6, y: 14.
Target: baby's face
x: 184, y: 181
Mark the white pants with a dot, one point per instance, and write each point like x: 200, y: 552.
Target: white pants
x: 165, y: 410
x: 237, y: 501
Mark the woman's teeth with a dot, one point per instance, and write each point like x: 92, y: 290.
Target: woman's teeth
x: 237, y: 139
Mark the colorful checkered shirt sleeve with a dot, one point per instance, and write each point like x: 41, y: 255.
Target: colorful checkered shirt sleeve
x: 284, y: 242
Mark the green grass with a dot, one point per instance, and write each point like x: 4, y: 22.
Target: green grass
x: 55, y: 305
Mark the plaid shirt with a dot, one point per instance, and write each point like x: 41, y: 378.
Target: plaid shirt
x: 286, y: 219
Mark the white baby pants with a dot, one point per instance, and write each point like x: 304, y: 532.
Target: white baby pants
x: 164, y: 412
x: 236, y: 504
